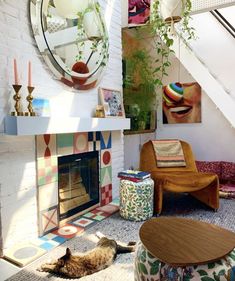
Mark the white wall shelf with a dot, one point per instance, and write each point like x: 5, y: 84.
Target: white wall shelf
x: 26, y: 125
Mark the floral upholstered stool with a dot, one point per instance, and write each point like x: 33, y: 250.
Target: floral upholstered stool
x: 136, y: 199
x: 176, y: 249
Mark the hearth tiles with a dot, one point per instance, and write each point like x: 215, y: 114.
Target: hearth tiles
x: 48, y: 220
x: 93, y: 141
x: 97, y: 215
x: 22, y: 254
x: 25, y: 253
x: 64, y: 144
x: 83, y: 222
x: 106, y: 140
x: 68, y: 231
x: 47, y: 170
x: 80, y: 142
x: 106, y: 194
x: 46, y: 146
x: 109, y: 208
x: 48, y: 195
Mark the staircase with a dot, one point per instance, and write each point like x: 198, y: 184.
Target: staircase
x: 211, y: 61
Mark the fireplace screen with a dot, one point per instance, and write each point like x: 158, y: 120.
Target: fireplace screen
x: 78, y: 183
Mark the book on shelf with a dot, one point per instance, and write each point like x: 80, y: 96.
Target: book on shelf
x: 134, y: 174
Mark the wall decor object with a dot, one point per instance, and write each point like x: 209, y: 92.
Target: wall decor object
x: 138, y: 81
x: 41, y: 107
x: 112, y: 102
x: 99, y: 111
x: 138, y: 12
x: 181, y: 103
x: 72, y: 38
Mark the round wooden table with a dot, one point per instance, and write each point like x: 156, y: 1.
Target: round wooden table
x: 184, y: 242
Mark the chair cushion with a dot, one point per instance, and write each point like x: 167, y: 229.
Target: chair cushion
x: 227, y: 170
x: 169, y: 153
x: 184, y: 181
x: 209, y: 167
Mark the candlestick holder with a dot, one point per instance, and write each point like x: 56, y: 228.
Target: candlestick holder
x: 29, y: 99
x: 17, y: 98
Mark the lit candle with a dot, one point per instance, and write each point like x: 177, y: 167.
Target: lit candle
x: 29, y: 75
x: 16, y: 73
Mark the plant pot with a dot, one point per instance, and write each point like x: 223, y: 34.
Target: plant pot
x: 91, y: 25
x: 141, y: 125
x: 171, y: 10
x: 70, y: 8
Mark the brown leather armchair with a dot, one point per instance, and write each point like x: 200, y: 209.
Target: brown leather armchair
x: 203, y: 186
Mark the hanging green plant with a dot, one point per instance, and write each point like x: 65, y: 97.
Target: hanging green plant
x: 162, y: 28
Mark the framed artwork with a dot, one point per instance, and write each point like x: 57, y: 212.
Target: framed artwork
x: 138, y: 12
x: 181, y: 103
x: 112, y: 102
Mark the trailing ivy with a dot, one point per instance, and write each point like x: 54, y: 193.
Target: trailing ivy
x: 163, y: 38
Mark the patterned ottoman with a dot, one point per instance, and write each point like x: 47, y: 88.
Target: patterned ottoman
x: 178, y: 249
x: 136, y: 199
x: 149, y: 268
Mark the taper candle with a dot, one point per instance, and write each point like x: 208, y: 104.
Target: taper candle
x: 16, y: 73
x: 29, y: 75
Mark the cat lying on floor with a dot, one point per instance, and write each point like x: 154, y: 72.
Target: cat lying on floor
x: 90, y: 262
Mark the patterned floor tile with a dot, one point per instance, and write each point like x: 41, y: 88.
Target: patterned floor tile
x: 96, y: 215
x: 68, y: 231
x: 109, y: 208
x: 53, y: 238
x: 45, y: 244
x: 23, y: 254
x: 83, y: 222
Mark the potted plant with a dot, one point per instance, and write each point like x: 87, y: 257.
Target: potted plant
x: 164, y: 14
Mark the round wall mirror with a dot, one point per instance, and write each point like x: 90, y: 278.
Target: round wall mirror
x: 72, y: 38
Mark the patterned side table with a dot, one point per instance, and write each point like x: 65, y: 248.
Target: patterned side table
x: 136, y: 199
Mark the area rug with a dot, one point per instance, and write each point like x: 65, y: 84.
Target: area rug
x: 122, y: 270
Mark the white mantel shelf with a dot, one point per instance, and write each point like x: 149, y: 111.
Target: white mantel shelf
x: 26, y: 125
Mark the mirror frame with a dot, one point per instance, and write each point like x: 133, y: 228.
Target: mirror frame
x: 73, y: 79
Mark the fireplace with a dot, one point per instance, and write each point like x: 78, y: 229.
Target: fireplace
x: 78, y: 183
x: 74, y: 175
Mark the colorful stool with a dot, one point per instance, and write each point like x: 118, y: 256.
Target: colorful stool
x: 147, y: 267
x: 178, y: 249
x: 136, y: 199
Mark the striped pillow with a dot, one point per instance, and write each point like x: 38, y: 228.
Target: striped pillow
x: 169, y: 153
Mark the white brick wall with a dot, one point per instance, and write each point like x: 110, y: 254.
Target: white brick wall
x: 18, y: 207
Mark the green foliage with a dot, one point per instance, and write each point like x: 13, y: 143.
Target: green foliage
x: 139, y: 82
x: 96, y: 42
x: 139, y: 89
x: 164, y: 40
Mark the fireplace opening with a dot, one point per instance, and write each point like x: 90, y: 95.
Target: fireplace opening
x: 78, y: 183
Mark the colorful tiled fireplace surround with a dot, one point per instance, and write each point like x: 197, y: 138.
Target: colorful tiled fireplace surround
x: 49, y: 148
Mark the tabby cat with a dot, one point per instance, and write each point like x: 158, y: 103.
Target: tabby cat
x: 90, y: 262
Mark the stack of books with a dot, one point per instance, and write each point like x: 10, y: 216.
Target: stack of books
x: 132, y: 175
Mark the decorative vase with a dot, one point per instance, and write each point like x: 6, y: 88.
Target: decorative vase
x: 171, y: 10
x: 69, y: 8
